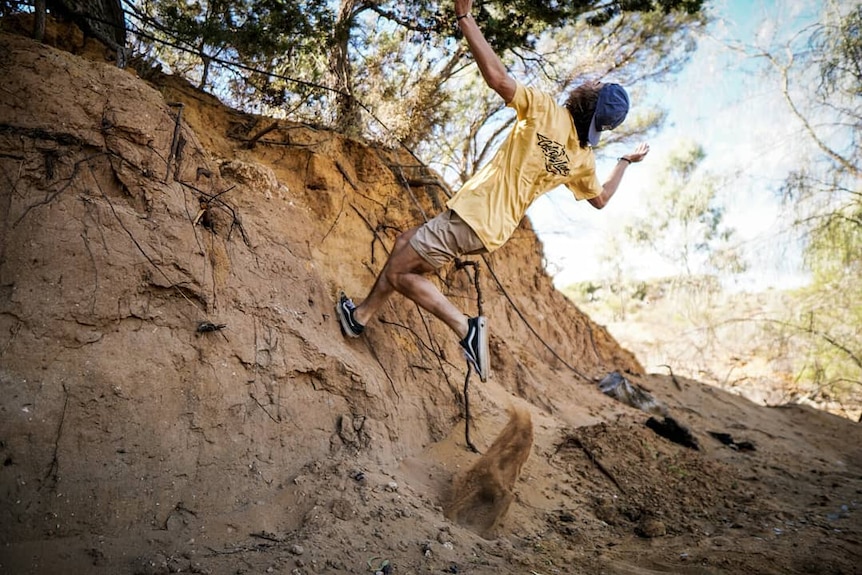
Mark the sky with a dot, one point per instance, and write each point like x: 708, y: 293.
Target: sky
x: 750, y: 139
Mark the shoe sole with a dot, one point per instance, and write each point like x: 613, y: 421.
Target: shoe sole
x: 342, y: 320
x: 484, y: 357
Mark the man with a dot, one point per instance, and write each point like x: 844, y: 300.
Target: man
x: 550, y: 145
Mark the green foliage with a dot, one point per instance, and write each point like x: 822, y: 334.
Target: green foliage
x: 827, y: 319
x: 270, y: 35
x: 829, y: 204
x: 254, y: 29
x: 839, y: 47
x: 518, y: 24
x: 393, y: 59
x: 824, y: 196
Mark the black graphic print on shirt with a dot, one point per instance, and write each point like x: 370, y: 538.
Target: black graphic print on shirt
x: 556, y: 160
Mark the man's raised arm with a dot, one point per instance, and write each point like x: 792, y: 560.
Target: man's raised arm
x: 493, y: 71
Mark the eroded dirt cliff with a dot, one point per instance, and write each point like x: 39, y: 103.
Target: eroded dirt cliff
x: 177, y: 395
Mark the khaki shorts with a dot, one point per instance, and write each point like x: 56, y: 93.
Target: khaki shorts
x: 444, y: 238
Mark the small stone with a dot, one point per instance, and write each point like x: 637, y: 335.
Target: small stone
x: 652, y: 528
x: 297, y: 549
x: 154, y: 564
x: 342, y: 509
x: 346, y: 430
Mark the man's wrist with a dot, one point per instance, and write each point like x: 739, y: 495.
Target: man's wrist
x: 461, y: 17
x: 624, y: 159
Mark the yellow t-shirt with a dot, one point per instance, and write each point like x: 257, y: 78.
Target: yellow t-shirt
x: 541, y: 153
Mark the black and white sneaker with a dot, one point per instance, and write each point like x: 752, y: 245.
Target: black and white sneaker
x: 475, y: 345
x: 344, y: 308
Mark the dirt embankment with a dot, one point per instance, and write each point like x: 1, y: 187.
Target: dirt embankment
x: 177, y: 396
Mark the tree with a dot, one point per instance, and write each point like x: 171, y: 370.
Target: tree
x: 684, y: 219
x: 828, y: 190
x: 335, y: 60
x: 827, y: 195
x: 424, y: 30
x: 633, y: 49
x: 680, y: 238
x: 264, y: 35
x: 820, y: 76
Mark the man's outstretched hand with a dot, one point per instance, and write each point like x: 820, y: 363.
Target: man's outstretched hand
x: 639, y: 154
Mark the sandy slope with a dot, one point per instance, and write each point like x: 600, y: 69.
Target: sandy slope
x: 135, y: 443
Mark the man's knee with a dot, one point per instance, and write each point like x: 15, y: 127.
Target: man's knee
x: 402, y: 278
x: 403, y: 267
x: 393, y: 278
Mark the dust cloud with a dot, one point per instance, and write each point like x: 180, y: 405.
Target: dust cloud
x: 481, y: 496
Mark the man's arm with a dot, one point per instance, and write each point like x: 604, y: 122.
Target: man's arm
x: 610, y: 186
x: 495, y: 74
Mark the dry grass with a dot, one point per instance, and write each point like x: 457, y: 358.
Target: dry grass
x: 732, y: 341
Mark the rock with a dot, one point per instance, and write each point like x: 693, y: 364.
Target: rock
x: 651, y: 528
x: 179, y: 519
x: 343, y: 509
x: 297, y: 549
x: 154, y: 564
x: 346, y: 430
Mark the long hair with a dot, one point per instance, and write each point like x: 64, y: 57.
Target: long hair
x: 582, y: 105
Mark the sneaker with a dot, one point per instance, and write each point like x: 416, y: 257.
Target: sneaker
x: 345, y: 308
x: 475, y: 345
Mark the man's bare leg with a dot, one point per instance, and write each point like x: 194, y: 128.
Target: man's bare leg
x: 405, y: 272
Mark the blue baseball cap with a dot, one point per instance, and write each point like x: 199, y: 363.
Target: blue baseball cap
x: 611, y: 109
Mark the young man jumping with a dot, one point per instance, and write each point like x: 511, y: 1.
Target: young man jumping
x: 550, y: 145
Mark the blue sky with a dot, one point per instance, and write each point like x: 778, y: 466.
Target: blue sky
x: 749, y: 136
